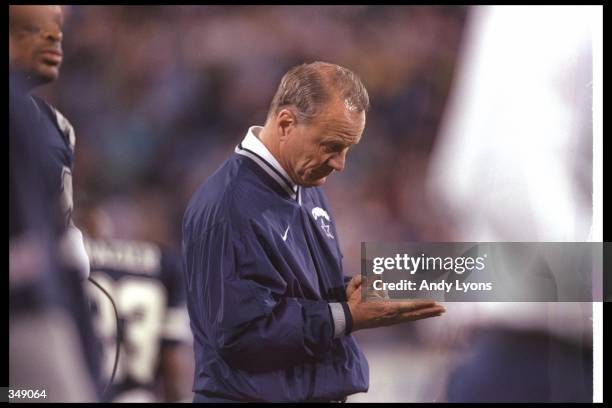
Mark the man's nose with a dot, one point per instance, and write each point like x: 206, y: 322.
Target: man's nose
x: 337, y: 161
x: 54, y: 35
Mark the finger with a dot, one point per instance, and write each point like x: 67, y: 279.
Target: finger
x: 423, y: 313
x: 353, y: 285
x: 374, y: 294
x: 416, y: 305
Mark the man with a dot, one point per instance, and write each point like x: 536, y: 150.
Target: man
x: 35, y: 57
x: 145, y: 281
x: 47, y: 298
x: 270, y: 313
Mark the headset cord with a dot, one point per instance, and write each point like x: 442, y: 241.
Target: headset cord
x: 117, y: 337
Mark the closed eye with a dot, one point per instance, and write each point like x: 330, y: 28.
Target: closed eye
x: 333, y: 147
x: 32, y: 29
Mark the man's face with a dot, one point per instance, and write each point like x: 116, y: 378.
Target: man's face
x: 310, y: 152
x: 35, y: 41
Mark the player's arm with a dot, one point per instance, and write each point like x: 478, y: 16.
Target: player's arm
x: 72, y: 246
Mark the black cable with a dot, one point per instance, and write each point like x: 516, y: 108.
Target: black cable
x: 117, y: 336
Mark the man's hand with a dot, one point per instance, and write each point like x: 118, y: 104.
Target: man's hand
x: 368, y: 315
x: 353, y: 285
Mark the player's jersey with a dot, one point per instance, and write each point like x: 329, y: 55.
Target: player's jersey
x: 60, y: 141
x: 146, y: 284
x: 39, y: 280
x: 29, y: 184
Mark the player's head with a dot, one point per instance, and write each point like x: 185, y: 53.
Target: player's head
x: 318, y: 112
x: 35, y: 42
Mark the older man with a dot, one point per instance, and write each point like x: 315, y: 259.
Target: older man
x: 270, y: 313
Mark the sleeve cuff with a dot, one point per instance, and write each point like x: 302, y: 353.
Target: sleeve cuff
x: 341, y: 316
x: 348, y: 317
x: 337, y: 313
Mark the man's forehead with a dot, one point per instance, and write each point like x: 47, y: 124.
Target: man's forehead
x: 29, y: 12
x: 339, y: 116
x: 344, y: 125
x: 348, y: 128
x: 346, y: 107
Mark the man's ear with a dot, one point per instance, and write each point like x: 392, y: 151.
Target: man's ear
x: 286, y: 122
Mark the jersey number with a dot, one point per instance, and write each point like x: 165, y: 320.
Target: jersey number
x: 140, y: 304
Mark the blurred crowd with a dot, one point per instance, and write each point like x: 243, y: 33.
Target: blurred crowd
x: 159, y: 97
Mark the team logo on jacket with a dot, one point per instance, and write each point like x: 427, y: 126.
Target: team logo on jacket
x: 320, y: 214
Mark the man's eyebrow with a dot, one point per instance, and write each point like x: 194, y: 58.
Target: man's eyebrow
x: 338, y: 140
x: 337, y: 127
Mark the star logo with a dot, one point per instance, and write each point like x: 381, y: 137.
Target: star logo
x: 326, y: 229
x: 319, y: 213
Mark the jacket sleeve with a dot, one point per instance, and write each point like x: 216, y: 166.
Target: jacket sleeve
x: 253, y: 325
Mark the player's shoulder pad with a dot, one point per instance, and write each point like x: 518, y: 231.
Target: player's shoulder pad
x: 66, y: 128
x: 61, y: 122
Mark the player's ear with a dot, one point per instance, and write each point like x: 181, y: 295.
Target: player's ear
x: 286, y: 122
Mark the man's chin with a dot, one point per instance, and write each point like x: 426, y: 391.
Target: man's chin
x: 315, y: 183
x: 46, y: 73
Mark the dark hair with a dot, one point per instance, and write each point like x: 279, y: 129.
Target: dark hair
x: 308, y: 87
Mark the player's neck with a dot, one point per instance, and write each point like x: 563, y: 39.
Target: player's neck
x: 267, y: 138
x: 25, y: 81
x: 272, y: 143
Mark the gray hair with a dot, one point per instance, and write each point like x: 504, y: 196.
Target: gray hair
x: 309, y: 87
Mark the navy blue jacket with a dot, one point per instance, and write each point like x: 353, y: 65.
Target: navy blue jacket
x: 261, y: 269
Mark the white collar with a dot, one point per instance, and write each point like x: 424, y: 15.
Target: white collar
x: 254, y: 148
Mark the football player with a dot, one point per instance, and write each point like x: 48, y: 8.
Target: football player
x: 147, y: 318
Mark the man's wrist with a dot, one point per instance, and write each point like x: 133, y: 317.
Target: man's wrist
x: 348, y: 318
x: 342, y: 319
